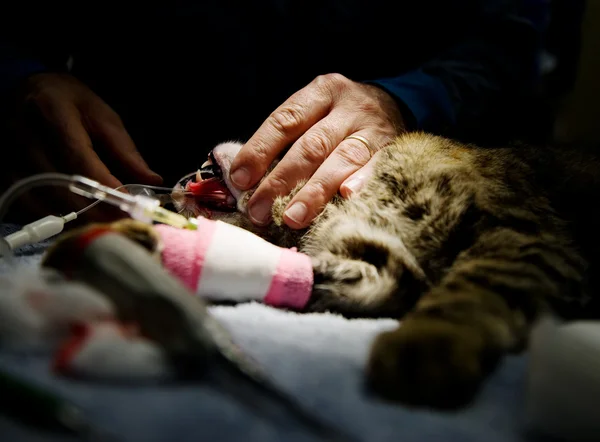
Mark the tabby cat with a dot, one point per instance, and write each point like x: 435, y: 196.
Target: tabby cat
x: 467, y: 246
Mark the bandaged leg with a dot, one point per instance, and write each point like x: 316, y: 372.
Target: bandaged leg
x: 222, y: 262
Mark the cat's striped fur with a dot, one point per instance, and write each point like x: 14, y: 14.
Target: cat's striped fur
x: 467, y: 245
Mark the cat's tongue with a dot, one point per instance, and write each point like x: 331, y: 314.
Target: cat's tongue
x: 212, y: 191
x: 219, y: 189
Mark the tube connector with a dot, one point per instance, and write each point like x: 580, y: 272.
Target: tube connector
x: 39, y: 230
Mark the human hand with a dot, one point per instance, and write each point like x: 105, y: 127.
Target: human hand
x: 315, y: 122
x: 60, y: 125
x: 356, y: 181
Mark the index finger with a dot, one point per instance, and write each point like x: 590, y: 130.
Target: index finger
x: 78, y: 151
x: 283, y: 127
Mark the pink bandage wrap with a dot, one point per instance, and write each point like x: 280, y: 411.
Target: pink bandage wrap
x: 292, y: 283
x: 220, y: 261
x: 184, y: 250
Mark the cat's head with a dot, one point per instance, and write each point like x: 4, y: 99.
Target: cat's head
x: 209, y: 192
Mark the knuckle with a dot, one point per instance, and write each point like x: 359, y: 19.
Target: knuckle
x: 276, y: 184
x: 333, y: 81
x: 329, y: 87
x: 287, y: 118
x: 317, y: 189
x: 316, y: 194
x: 315, y: 148
x: 259, y: 155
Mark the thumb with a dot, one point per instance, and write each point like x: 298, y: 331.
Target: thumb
x: 357, y: 180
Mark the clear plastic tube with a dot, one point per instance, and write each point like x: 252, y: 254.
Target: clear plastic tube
x: 22, y: 186
x: 77, y: 184
x: 17, y: 189
x: 143, y: 189
x: 140, y: 207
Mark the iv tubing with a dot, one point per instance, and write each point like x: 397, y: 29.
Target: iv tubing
x: 143, y: 208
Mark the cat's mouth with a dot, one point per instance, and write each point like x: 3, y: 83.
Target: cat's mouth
x: 208, y: 187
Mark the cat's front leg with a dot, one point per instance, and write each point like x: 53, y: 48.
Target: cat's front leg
x: 361, y: 270
x: 459, y: 331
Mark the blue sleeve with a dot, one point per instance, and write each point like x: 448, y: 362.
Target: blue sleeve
x: 478, y: 79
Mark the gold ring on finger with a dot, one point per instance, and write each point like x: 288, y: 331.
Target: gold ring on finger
x: 362, y: 140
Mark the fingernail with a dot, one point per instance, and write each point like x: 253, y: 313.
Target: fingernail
x: 353, y: 185
x: 240, y: 177
x: 297, y: 212
x: 260, y: 212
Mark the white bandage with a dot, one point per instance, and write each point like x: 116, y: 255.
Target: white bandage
x: 226, y: 263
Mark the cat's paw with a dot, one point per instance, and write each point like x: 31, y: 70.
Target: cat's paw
x: 430, y: 363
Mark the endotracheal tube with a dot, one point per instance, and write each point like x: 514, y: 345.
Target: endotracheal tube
x: 139, y: 207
